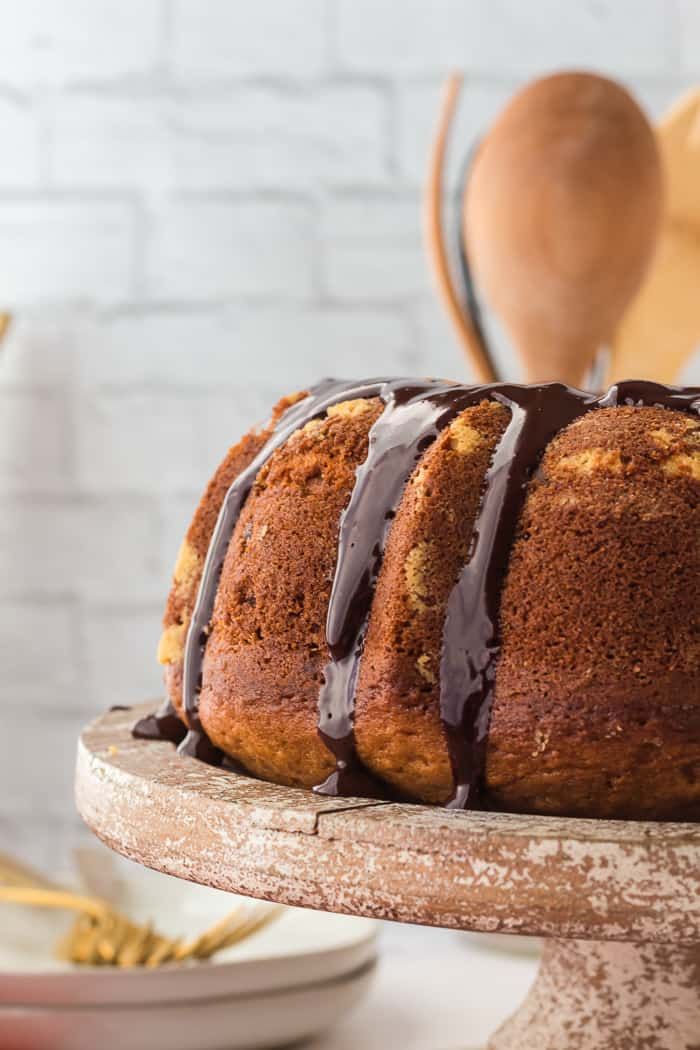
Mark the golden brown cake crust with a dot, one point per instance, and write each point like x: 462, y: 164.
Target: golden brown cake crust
x: 597, y: 708
x: 597, y: 699
x: 192, y: 554
x: 397, y: 722
x: 267, y: 651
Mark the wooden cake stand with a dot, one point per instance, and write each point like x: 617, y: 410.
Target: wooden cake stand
x: 618, y: 902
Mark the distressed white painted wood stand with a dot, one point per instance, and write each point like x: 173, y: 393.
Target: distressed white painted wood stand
x: 618, y: 902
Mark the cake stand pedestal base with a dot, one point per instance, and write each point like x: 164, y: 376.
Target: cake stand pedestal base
x: 616, y: 901
x: 616, y: 996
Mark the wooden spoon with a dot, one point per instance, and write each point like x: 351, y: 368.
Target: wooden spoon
x: 468, y: 332
x: 561, y: 215
x: 661, y: 329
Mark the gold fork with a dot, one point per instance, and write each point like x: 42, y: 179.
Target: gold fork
x: 103, y: 936
x: 100, y: 935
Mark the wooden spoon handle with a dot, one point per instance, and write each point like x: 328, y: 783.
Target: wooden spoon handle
x: 473, y: 345
x: 661, y: 329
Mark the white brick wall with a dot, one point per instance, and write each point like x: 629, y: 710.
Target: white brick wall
x: 107, y: 142
x: 292, y: 136
x: 21, y: 140
x: 624, y: 36
x: 43, y: 45
x: 217, y: 39
x: 203, y: 204
x: 372, y: 246
x: 81, y: 547
x: 56, y: 250
x: 209, y: 250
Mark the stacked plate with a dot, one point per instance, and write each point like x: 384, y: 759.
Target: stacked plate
x: 293, y: 979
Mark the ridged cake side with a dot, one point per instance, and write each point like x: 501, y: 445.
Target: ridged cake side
x: 193, y: 551
x: 597, y: 705
x: 266, y: 652
x: 397, y: 716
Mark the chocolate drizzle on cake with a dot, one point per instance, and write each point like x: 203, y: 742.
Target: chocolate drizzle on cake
x: 327, y: 393
x: 412, y: 419
x: 164, y: 724
x: 471, y: 643
x: 415, y: 412
x: 409, y: 423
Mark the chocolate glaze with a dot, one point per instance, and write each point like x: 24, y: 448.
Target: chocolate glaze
x: 197, y: 744
x: 397, y: 441
x: 413, y: 417
x: 165, y: 724
x: 329, y: 392
x: 414, y: 414
x: 470, y: 643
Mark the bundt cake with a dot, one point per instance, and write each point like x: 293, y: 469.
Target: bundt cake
x: 467, y: 596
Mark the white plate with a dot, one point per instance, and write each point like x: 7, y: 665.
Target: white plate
x: 299, y: 948
x: 249, y: 1022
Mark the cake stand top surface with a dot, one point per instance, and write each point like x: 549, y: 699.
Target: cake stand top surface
x: 495, y: 872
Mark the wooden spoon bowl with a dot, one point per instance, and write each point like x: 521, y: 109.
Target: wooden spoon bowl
x: 561, y: 215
